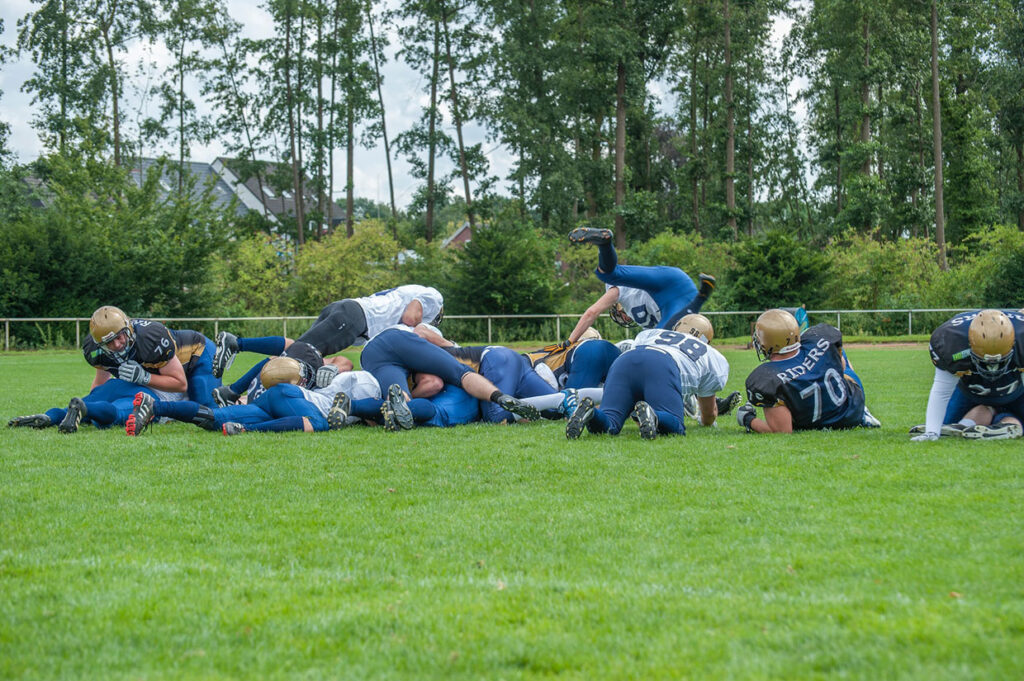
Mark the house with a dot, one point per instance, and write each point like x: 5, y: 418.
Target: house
x: 460, y: 237
x: 203, y: 172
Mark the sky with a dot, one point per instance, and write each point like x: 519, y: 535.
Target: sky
x: 404, y: 100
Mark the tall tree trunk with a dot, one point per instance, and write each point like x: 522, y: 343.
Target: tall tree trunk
x: 457, y: 117
x: 915, y: 193
x: 940, y: 217
x: 693, y: 140
x: 181, y: 116
x: 730, y: 130
x: 595, y: 156
x: 383, y: 121
x: 300, y: 71
x: 620, y: 153
x: 321, y: 203
x: 839, y: 150
x: 432, y: 142
x: 865, y: 97
x: 350, y: 183
x: 750, y: 172
x: 64, y: 58
x: 115, y: 94
x: 290, y: 97
x: 330, y: 118
x: 1019, y: 147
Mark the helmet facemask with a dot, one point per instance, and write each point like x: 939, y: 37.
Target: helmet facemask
x: 619, y: 316
x: 109, y: 324
x: 991, y: 337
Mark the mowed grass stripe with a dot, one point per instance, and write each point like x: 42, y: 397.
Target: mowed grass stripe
x: 508, y: 552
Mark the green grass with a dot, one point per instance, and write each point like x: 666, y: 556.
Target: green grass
x: 508, y: 552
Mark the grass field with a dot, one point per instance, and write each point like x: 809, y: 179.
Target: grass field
x: 508, y: 552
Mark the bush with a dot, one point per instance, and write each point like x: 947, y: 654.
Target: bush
x: 776, y: 270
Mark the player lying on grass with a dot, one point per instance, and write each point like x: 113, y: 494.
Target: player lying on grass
x: 129, y: 355
x: 977, y: 392
x: 283, y: 403
x: 574, y: 365
x: 352, y: 321
x: 653, y: 297
x: 649, y: 382
x: 806, y: 381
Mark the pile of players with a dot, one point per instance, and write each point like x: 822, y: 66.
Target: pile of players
x: 411, y: 375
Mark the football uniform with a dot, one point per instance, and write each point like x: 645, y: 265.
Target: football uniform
x: 812, y: 384
x: 153, y: 348
x: 950, y: 351
x: 653, y: 297
x: 582, y: 365
x: 662, y: 367
x: 509, y: 371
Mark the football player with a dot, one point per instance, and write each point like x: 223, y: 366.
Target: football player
x: 129, y: 355
x: 977, y: 392
x: 648, y: 383
x: 805, y: 382
x: 450, y: 406
x: 651, y: 297
x: 395, y: 353
x: 344, y: 323
x: 575, y: 365
x: 283, y: 404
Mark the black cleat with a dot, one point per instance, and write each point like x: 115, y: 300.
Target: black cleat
x: 232, y: 428
x: 142, y: 414
x: 33, y: 421
x: 580, y: 418
x: 224, y: 396
x: 76, y: 412
x: 227, y: 348
x: 1007, y: 431
x: 337, y: 415
x: 948, y: 430
x: 590, y: 235
x: 707, y: 285
x: 527, y: 412
x: 645, y: 417
x: 401, y: 416
x: 727, y: 404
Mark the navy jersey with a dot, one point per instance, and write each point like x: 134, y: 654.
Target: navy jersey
x: 153, y: 348
x: 189, y: 348
x: 811, y: 384
x: 470, y: 356
x: 950, y: 350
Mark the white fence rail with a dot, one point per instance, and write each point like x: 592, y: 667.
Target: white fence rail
x: 79, y: 321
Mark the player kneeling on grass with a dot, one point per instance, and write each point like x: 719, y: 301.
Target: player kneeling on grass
x: 806, y: 383
x: 977, y: 392
x: 648, y: 383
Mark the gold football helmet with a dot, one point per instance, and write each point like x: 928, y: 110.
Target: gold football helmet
x: 591, y: 332
x: 281, y: 370
x: 106, y: 324
x: 696, y: 325
x: 776, y: 331
x: 992, y: 338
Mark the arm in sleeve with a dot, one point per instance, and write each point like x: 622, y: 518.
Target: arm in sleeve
x: 942, y: 389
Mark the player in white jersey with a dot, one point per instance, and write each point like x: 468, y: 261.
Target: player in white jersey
x: 352, y: 321
x: 649, y: 383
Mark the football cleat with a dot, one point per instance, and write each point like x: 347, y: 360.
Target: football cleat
x: 948, y: 430
x: 337, y: 415
x: 690, y: 407
x: 646, y: 419
x: 570, y: 399
x: 1007, y: 431
x: 869, y: 420
x: 590, y: 235
x: 227, y: 348
x: 33, y: 421
x: 76, y: 412
x: 527, y: 412
x: 232, y: 428
x: 142, y: 414
x: 727, y: 404
x: 580, y: 418
x: 399, y: 408
x: 707, y: 285
x: 224, y: 396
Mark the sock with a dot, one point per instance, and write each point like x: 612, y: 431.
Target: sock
x: 368, y: 408
x: 285, y: 424
x: 179, y: 411
x: 56, y: 415
x: 607, y: 259
x: 267, y: 345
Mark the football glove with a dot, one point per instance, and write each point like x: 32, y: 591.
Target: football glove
x: 133, y: 372
x: 925, y: 437
x: 745, y: 415
x: 325, y: 374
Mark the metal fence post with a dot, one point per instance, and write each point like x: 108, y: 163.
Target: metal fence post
x: 910, y: 322
x: 216, y: 328
x: 7, y: 334
x: 839, y: 320
x: 284, y: 326
x: 78, y: 334
x: 558, y: 327
x: 488, y: 330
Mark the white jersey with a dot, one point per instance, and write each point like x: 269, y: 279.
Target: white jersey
x: 639, y: 305
x: 359, y: 385
x: 385, y: 308
x: 703, y: 371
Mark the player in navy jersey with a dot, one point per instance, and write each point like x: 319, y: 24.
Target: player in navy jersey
x: 129, y: 355
x: 649, y: 382
x: 651, y: 297
x: 581, y: 364
x: 977, y: 392
x: 352, y: 321
x: 805, y: 383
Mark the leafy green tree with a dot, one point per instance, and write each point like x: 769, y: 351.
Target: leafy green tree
x: 776, y: 270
